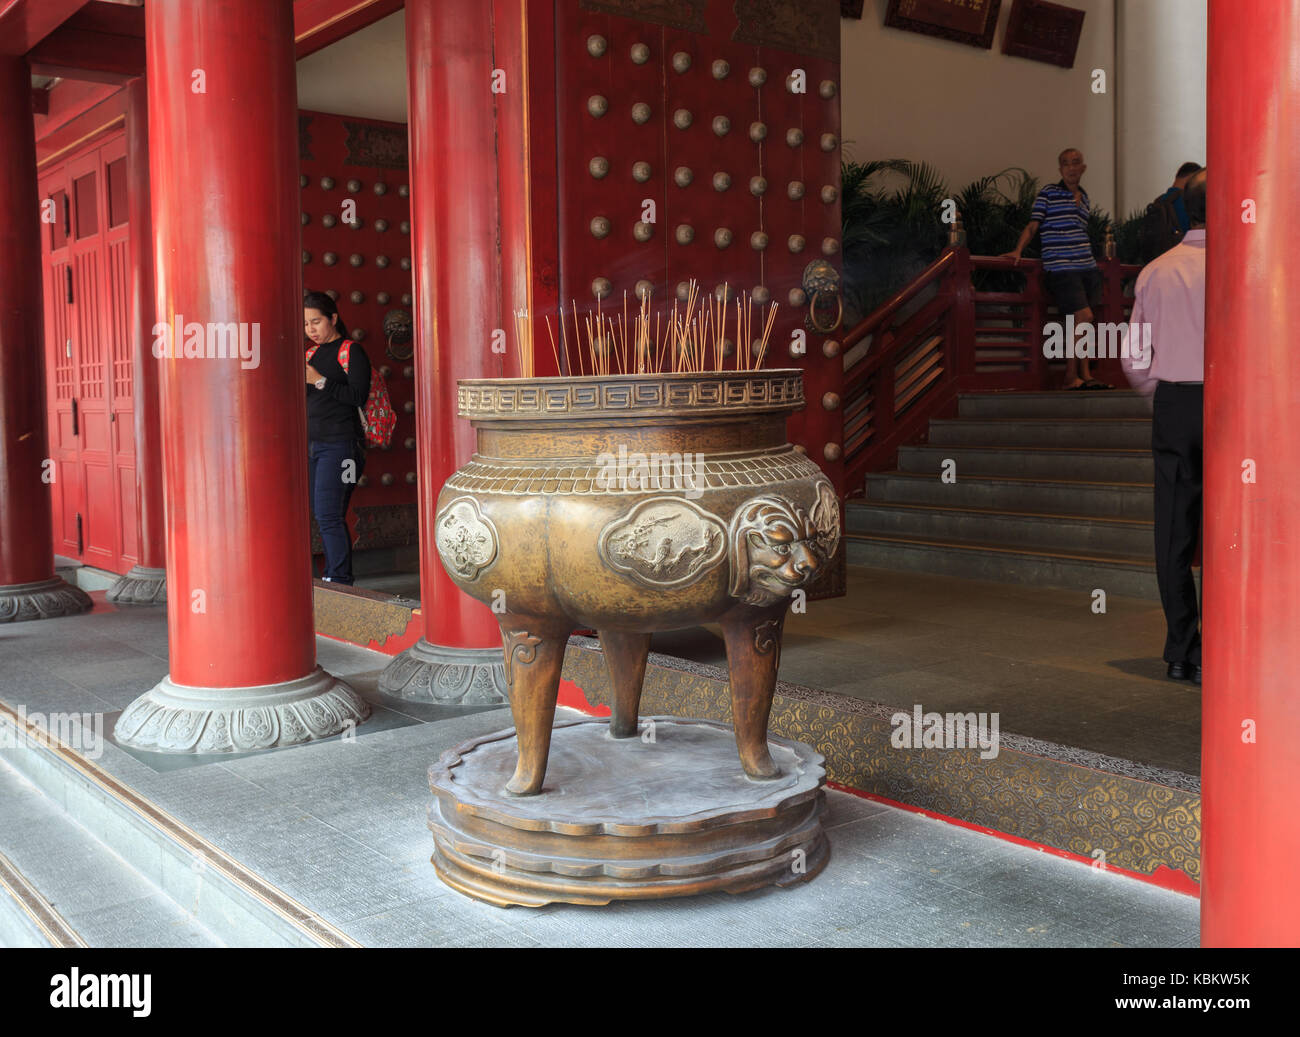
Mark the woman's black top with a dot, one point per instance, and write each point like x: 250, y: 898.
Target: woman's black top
x: 332, y: 411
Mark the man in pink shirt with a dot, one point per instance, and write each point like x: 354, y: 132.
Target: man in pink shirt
x: 1171, y: 299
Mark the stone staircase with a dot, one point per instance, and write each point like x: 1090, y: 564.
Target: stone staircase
x: 1051, y: 488
x: 86, y: 861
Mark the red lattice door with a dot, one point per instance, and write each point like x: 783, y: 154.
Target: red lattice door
x: 88, y: 359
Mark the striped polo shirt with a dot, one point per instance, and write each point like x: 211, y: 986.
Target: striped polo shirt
x: 1064, y: 227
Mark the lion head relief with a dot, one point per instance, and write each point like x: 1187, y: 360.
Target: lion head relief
x: 777, y: 547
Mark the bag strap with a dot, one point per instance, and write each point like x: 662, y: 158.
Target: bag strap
x: 343, y: 353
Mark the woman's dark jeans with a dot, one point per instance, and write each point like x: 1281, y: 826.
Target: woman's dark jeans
x: 330, y: 482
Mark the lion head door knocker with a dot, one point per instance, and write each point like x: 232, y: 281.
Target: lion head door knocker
x: 401, y: 339
x: 821, y: 283
x: 777, y: 547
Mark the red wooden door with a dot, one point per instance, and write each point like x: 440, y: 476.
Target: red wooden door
x: 725, y: 115
x: 88, y: 360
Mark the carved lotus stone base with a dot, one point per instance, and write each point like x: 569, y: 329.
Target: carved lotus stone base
x: 141, y: 586
x: 175, y: 718
x: 44, y: 599
x: 666, y: 813
x: 447, y: 676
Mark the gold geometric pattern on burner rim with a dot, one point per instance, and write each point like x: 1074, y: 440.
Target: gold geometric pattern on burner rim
x: 642, y: 395
x: 803, y: 788
x: 579, y: 478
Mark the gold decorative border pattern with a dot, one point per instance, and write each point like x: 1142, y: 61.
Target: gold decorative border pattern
x: 793, y: 25
x: 582, y: 480
x: 1139, y: 825
x: 637, y: 394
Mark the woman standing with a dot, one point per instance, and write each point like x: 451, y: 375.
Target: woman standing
x: 335, y: 439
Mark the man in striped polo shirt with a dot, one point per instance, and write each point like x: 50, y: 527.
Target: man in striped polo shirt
x: 1073, y: 280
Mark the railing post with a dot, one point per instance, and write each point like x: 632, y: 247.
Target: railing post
x: 1112, y: 312
x: 1035, y: 317
x: 959, y: 350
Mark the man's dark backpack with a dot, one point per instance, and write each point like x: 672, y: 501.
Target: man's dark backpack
x: 1160, y: 228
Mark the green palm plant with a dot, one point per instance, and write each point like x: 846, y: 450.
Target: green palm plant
x: 889, y: 233
x: 893, y: 227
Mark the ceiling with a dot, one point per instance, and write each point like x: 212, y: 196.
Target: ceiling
x: 363, y: 74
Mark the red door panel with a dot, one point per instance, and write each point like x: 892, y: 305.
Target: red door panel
x: 692, y: 106
x: 129, y: 521
x: 67, y: 497
x: 88, y: 359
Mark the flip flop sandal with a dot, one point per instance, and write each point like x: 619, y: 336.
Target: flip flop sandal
x: 1093, y: 384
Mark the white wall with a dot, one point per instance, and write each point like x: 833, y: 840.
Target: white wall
x: 974, y: 112
x: 1162, y: 94
x: 363, y: 74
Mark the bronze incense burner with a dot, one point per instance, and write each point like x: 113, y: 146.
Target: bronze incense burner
x: 632, y: 504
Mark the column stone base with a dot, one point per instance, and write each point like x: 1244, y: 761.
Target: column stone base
x: 44, y: 599
x: 176, y: 718
x: 141, y: 586
x: 447, y: 676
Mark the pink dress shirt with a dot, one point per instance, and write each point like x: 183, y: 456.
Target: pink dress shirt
x: 1171, y: 298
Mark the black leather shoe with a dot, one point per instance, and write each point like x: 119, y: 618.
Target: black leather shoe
x: 1181, y: 672
x: 1196, y: 675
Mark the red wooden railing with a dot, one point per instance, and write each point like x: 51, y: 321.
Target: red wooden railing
x: 937, y: 337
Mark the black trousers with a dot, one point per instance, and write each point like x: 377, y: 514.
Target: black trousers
x: 1177, y: 428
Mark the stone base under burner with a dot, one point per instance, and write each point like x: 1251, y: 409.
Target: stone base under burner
x: 668, y: 813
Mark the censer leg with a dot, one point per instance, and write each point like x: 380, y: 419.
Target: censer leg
x: 753, y: 638
x: 625, y: 656
x: 532, y: 663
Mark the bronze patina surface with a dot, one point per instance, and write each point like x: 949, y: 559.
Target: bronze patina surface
x: 631, y: 504
x: 666, y: 814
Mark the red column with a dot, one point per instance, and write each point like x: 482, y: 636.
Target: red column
x: 455, y: 232
x: 1250, y: 753
x: 28, y: 587
x: 146, y: 583
x: 223, y: 153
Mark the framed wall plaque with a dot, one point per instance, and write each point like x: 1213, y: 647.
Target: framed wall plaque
x: 963, y: 21
x: 1043, y: 32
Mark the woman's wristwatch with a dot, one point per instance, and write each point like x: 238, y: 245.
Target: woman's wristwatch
x: 320, y: 383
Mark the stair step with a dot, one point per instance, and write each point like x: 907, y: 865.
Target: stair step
x: 1113, y: 465
x: 227, y: 901
x: 70, y: 889
x: 1010, y: 493
x: 1118, y: 537
x: 1006, y: 563
x: 1114, y: 403
x: 1098, y: 433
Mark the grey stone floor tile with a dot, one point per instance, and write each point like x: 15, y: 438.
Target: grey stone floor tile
x: 844, y: 807
x: 1113, y: 908
x: 200, y: 789
x: 65, y: 660
x: 709, y: 920
x: 152, y: 921
x: 953, y: 926
x: 398, y: 832
x: 920, y: 845
x: 340, y: 825
x: 120, y: 694
x: 447, y: 920
x: 146, y: 670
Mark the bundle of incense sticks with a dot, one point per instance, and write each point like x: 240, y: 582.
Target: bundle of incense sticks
x: 689, y: 338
